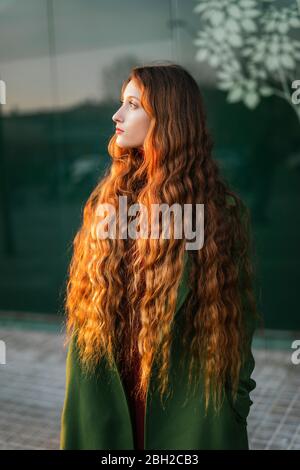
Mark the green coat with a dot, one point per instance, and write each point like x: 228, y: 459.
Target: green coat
x: 95, y: 413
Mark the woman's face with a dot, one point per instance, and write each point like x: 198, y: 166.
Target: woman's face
x: 131, y: 118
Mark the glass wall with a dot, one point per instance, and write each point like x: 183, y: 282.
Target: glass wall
x: 63, y: 63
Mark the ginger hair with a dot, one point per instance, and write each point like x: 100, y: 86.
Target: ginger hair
x: 119, y: 286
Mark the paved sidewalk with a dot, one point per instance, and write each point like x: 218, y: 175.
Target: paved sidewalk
x: 33, y: 386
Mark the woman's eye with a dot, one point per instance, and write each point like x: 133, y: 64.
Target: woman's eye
x: 130, y: 102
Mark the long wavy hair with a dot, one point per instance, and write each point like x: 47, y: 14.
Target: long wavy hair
x: 119, y: 288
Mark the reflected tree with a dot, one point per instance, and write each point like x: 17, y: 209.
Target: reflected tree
x: 114, y: 75
x: 254, y: 48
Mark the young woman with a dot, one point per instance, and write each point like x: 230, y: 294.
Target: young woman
x: 160, y: 334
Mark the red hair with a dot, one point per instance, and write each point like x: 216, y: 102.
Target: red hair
x: 118, y: 285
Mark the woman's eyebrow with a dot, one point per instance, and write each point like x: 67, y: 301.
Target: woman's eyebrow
x: 131, y: 97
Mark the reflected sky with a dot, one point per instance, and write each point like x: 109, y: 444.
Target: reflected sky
x: 79, y: 25
x: 87, y: 38
x: 57, y: 53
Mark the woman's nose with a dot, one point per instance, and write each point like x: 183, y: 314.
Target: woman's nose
x: 116, y: 117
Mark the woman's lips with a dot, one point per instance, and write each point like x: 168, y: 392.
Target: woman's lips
x: 118, y: 131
